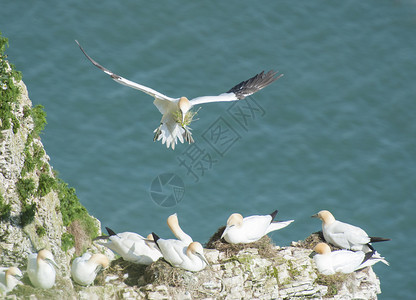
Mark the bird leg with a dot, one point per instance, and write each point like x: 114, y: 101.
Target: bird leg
x: 187, y: 135
x: 157, y: 132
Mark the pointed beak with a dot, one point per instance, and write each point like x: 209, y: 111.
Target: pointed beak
x: 313, y: 253
x: 315, y: 216
x: 203, y: 258
x: 183, y: 117
x: 52, y: 262
x: 224, y: 232
x: 18, y: 276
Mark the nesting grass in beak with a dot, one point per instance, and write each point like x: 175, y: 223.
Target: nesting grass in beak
x: 189, y: 117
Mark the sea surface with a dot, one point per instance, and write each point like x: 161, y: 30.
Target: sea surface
x: 336, y: 132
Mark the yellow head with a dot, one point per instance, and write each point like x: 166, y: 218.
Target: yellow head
x: 235, y: 219
x: 100, y: 259
x: 196, y: 248
x: 47, y: 256
x: 13, y: 271
x: 184, y: 107
x: 322, y: 248
x: 326, y: 217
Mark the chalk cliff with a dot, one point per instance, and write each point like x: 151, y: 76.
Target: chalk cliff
x: 38, y: 210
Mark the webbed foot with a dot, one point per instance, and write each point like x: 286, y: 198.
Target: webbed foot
x: 188, y: 135
x: 157, y: 132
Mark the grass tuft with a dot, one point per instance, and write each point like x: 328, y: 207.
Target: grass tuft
x: 189, y: 117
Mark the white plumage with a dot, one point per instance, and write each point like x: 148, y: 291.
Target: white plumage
x: 9, y: 278
x: 132, y: 247
x: 250, y: 229
x: 344, y: 235
x: 343, y: 261
x: 181, y: 255
x: 176, y: 111
x: 85, y: 268
x: 41, y: 269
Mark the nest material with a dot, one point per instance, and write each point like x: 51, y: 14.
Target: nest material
x: 265, y: 246
x: 121, y: 267
x: 189, y: 117
x: 311, y: 241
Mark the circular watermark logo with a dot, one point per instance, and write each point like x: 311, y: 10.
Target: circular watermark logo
x: 167, y: 190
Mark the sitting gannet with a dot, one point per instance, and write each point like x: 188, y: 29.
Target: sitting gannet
x: 344, y: 235
x: 180, y: 255
x: 40, y: 268
x: 343, y: 261
x: 132, y: 247
x: 9, y: 278
x: 86, y: 267
x: 177, y: 114
x: 241, y: 230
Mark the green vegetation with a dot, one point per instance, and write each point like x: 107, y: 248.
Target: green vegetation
x: 67, y: 241
x: 28, y: 214
x: 293, y: 272
x: 273, y: 272
x: 25, y: 188
x: 333, y: 282
x: 5, y: 209
x: 9, y: 92
x: 46, y: 184
x: 72, y: 210
x: 189, y: 117
x: 39, y: 118
x: 40, y: 231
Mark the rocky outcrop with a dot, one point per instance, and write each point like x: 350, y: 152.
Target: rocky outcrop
x: 37, y: 211
x: 256, y: 271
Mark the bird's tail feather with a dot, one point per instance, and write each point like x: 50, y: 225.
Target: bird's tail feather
x: 170, y: 136
x: 278, y: 225
x: 374, y: 239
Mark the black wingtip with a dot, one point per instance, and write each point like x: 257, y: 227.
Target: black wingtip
x: 371, y: 247
x: 375, y: 239
x: 110, y: 232
x: 156, y: 238
x: 254, y: 84
x: 368, y: 255
x: 273, y: 214
x: 101, y: 237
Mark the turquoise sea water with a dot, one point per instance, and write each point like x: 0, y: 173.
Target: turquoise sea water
x: 337, y: 132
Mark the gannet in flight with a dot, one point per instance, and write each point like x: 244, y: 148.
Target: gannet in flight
x: 343, y: 261
x: 173, y: 224
x: 344, y: 235
x: 86, y: 267
x: 177, y: 114
x: 180, y: 255
x: 40, y: 268
x: 132, y: 247
x: 250, y: 229
x: 9, y: 278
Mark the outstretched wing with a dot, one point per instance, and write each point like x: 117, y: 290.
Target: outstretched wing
x: 241, y: 90
x: 127, y: 82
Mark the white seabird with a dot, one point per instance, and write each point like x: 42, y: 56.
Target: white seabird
x: 180, y: 255
x: 343, y: 261
x: 173, y: 224
x: 177, y: 114
x: 344, y: 235
x: 86, y: 267
x: 9, y: 278
x: 132, y: 247
x: 250, y: 229
x: 41, y: 269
